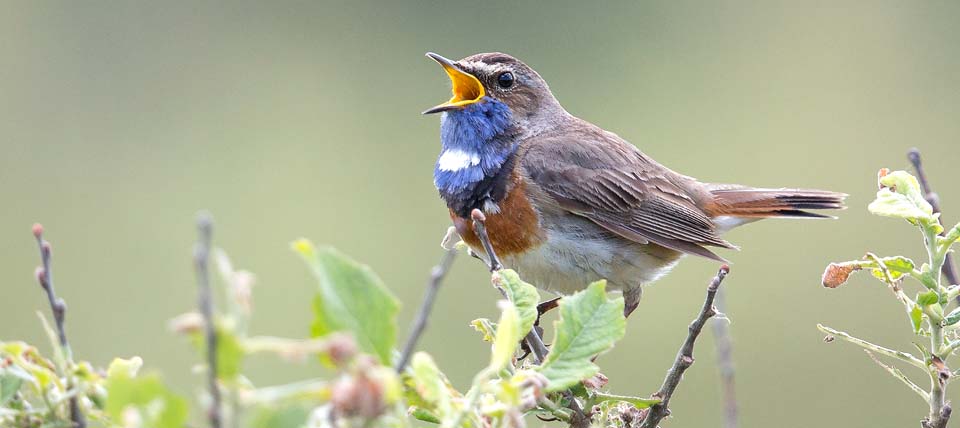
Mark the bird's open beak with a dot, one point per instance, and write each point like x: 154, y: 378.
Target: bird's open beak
x: 466, y: 88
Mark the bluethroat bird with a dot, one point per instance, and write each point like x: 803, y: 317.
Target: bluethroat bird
x: 567, y: 202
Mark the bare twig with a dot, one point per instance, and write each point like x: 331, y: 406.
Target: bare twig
x: 685, y: 356
x: 896, y: 373
x: 201, y: 257
x: 949, y: 270
x: 724, y: 344
x: 59, y: 309
x: 420, y: 324
x: 579, y: 419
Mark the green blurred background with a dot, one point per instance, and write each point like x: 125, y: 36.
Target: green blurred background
x: 120, y: 120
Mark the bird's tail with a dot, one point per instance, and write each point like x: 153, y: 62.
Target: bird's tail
x: 753, y: 204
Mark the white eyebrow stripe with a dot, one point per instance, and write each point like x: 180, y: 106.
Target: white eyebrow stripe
x: 456, y: 159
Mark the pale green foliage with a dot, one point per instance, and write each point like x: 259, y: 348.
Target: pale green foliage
x: 900, y: 196
x: 144, y: 396
x: 523, y: 295
x: 431, y: 385
x: 508, y: 336
x: 355, y: 328
x: 351, y: 298
x: 33, y: 392
x: 589, y: 324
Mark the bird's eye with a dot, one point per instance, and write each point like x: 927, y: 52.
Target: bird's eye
x: 505, y: 80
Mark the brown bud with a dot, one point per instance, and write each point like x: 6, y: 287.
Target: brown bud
x: 880, y: 174
x: 596, y: 382
x: 342, y: 349
x: 41, y: 276
x: 37, y: 230
x: 836, y: 275
x: 358, y: 395
x: 190, y: 322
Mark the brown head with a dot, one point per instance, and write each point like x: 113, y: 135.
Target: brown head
x: 499, y: 76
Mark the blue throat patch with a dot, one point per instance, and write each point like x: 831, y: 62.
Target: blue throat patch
x: 473, y: 152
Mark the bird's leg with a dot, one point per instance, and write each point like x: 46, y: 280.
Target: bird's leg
x: 631, y: 299
x: 542, y: 308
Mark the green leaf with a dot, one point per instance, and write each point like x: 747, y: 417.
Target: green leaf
x: 901, y: 197
x: 421, y: 414
x: 927, y: 298
x: 230, y: 351
x: 637, y: 402
x: 950, y: 237
x: 485, y: 327
x: 916, y: 318
x: 523, y: 296
x: 953, y: 317
x: 589, y: 324
x: 158, y: 406
x: 351, y: 298
x: 124, y: 367
x: 898, y: 266
x: 508, y: 337
x: 431, y: 385
x: 9, y: 385
x: 230, y: 354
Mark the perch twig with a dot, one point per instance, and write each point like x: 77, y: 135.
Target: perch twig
x: 685, y: 356
x: 437, y: 274
x: 579, y: 419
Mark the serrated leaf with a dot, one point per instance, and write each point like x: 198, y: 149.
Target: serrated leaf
x: 523, y: 296
x: 507, y: 341
x: 901, y: 197
x: 589, y: 324
x: 157, y: 405
x: 351, y: 298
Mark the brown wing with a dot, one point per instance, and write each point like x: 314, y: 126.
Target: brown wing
x: 597, y: 175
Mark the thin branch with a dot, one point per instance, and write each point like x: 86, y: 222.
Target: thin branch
x: 59, y: 309
x: 949, y: 270
x: 724, y: 345
x: 420, y: 324
x: 895, y: 372
x: 480, y: 228
x: 685, y: 356
x: 201, y: 258
x: 900, y: 355
x: 579, y: 419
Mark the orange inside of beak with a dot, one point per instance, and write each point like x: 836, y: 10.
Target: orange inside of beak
x: 467, y: 89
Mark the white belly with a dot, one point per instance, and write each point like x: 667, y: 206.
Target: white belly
x: 568, y: 262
